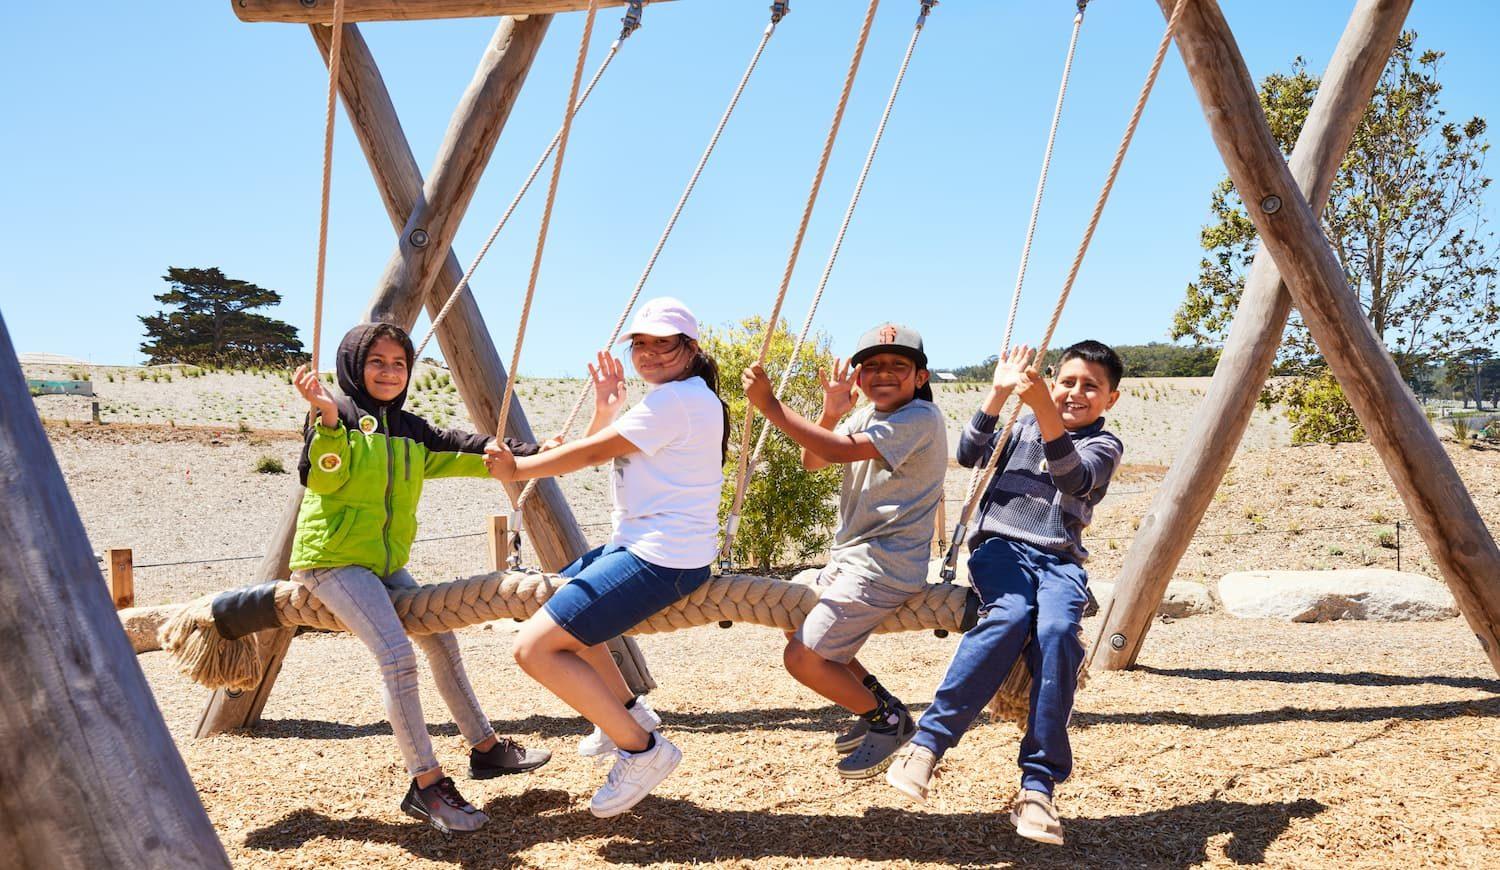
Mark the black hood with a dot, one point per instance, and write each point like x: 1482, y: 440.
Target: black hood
x: 350, y: 367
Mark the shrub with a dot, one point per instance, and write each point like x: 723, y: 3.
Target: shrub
x: 1386, y: 540
x: 789, y: 512
x: 1317, y: 409
x: 1461, y: 428
x: 269, y: 465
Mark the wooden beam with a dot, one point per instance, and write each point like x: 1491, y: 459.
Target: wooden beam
x: 1220, y: 420
x: 92, y: 778
x: 477, y: 370
x: 463, y: 336
x: 1434, y: 494
x: 431, y: 224
x: 321, y: 11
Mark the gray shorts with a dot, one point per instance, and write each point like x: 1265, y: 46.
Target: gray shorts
x: 847, y: 613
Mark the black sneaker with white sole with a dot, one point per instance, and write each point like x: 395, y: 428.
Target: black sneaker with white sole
x: 441, y: 806
x: 505, y: 757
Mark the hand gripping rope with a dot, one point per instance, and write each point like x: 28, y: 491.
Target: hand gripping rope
x: 778, y: 12
x: 747, y: 469
x: 979, y: 480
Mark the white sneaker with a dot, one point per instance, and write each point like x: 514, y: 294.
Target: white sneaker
x: 633, y: 777
x: 598, y: 743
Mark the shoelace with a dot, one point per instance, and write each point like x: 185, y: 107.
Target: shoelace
x: 448, y: 791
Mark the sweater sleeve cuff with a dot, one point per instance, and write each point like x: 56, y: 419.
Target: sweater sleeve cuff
x: 1061, y: 455
x: 983, y: 422
x: 326, y: 431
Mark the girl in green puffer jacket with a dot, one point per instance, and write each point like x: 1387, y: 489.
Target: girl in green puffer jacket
x: 363, y: 462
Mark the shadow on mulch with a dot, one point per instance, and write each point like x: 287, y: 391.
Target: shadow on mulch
x: 1489, y: 707
x: 827, y: 718
x: 1358, y: 678
x: 663, y: 829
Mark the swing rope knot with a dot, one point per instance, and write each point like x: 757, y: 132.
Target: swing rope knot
x: 779, y: 11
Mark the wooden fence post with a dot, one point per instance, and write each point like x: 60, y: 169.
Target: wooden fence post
x: 121, y: 564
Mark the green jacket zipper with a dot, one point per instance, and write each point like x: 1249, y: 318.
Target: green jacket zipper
x: 390, y: 488
x: 407, y: 443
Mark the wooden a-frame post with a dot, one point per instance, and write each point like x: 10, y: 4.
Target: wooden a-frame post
x: 1220, y: 420
x: 424, y: 270
x: 91, y: 777
x: 1424, y: 475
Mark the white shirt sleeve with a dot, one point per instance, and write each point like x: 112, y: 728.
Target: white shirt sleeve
x: 657, y: 420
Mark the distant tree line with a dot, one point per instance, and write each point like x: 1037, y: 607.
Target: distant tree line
x: 1154, y: 360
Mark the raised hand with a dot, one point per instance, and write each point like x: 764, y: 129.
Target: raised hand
x: 609, y: 386
x: 500, y: 462
x: 306, y: 380
x: 838, y: 391
x: 1015, y: 371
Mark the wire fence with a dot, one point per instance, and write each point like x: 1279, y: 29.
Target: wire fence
x: 1395, y: 542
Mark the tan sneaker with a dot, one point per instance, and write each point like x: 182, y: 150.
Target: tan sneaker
x: 1035, y: 818
x: 913, y: 772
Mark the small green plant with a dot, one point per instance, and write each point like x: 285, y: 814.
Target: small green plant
x: 242, y: 428
x: 1379, y: 518
x: 111, y: 377
x: 1387, y: 540
x: 1335, y: 551
x: 269, y: 465
x: 1461, y: 429
x: 1317, y: 409
x: 141, y: 375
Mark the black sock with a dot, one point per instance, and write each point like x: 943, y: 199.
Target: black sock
x: 630, y: 705
x: 650, y: 744
x: 880, y: 692
x: 883, y: 718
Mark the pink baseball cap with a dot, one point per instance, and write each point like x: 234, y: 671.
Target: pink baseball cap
x: 662, y: 317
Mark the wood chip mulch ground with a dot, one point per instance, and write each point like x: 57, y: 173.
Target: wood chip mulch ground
x: 1237, y: 742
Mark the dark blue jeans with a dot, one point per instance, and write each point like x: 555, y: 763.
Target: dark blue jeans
x: 1023, y: 591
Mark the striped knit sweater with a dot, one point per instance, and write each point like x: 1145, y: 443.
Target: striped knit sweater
x: 1043, y: 493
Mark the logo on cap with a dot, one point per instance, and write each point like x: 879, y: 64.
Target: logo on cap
x: 367, y: 424
x: 888, y: 334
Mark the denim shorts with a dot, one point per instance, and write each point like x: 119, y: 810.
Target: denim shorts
x: 612, y: 590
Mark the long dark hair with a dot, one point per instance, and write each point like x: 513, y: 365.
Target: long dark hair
x: 703, y: 366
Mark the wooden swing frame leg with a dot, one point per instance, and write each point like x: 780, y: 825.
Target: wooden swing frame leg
x: 1424, y: 475
x: 436, y: 208
x: 1168, y: 527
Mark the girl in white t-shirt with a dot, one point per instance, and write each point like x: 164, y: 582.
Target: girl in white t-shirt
x: 668, y: 456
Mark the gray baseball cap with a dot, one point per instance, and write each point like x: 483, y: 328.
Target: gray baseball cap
x: 894, y: 338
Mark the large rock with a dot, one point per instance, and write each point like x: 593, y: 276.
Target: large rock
x: 1183, y: 598
x: 1323, y: 596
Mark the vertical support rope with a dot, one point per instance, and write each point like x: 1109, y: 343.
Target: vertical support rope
x: 833, y: 255
x: 661, y: 243
x: 791, y: 263
x: 536, y: 170
x: 335, y: 56
x: 980, y: 481
x: 541, y: 239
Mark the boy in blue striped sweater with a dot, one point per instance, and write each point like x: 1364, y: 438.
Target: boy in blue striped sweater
x: 1026, y: 564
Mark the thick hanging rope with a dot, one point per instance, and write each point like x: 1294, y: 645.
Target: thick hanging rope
x: 828, y: 267
x: 629, y: 25
x: 791, y: 264
x: 335, y: 57
x: 979, y: 481
x: 812, y: 309
x: 541, y: 238
x: 778, y: 11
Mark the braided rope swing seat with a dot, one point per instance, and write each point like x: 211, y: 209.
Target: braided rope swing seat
x: 210, y: 637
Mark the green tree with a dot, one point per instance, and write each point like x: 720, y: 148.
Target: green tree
x: 215, y: 323
x: 1405, y: 217
x: 789, y: 512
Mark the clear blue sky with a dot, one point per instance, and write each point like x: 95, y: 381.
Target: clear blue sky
x: 142, y: 137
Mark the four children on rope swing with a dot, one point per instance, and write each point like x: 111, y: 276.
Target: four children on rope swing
x: 365, y: 459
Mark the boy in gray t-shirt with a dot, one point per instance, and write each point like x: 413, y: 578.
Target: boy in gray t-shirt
x: 895, y: 454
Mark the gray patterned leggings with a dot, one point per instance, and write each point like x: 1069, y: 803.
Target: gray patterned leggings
x: 362, y: 603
